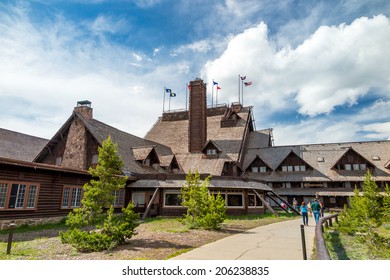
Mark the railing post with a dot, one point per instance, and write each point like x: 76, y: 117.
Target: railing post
x: 303, y: 242
x: 10, y: 235
x: 330, y: 222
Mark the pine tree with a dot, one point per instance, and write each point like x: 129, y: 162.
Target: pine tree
x: 203, y: 209
x: 98, y: 197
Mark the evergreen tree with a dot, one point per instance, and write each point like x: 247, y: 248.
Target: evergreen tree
x: 365, y: 213
x: 98, y: 197
x: 203, y: 209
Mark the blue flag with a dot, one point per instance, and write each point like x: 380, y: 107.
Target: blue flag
x: 172, y: 94
x: 168, y: 90
x: 215, y: 83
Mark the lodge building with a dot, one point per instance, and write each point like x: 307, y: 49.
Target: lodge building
x: 43, y: 179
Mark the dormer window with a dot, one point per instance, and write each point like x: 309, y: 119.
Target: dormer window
x: 211, y: 152
x: 211, y: 149
x: 258, y: 166
x: 293, y: 163
x: 352, y: 161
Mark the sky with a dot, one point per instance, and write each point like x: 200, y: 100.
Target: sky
x: 320, y: 70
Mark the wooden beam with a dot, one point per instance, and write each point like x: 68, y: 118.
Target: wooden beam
x: 265, y: 203
x: 288, y: 204
x: 150, y: 204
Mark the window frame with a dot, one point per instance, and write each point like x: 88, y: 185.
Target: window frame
x: 25, y: 200
x: 119, y: 198
x: 174, y: 192
x: 70, y: 197
x: 235, y: 193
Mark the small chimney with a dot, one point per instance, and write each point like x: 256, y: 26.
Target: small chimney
x: 84, y: 108
x: 197, y: 130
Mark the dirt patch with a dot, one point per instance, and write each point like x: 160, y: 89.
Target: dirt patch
x: 154, y: 241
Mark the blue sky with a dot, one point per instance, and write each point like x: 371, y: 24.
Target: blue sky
x: 319, y: 69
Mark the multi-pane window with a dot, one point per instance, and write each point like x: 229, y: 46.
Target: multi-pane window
x: 71, y: 197
x: 119, y: 198
x: 254, y: 201
x: 355, y: 166
x: 235, y: 200
x: 18, y: 196
x: 293, y: 168
x: 261, y: 169
x: 211, y: 151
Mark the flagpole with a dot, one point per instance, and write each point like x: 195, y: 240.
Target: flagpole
x: 242, y: 94
x: 216, y: 98
x: 186, y: 95
x: 169, y: 108
x: 239, y: 97
x: 212, y: 95
x: 164, y: 99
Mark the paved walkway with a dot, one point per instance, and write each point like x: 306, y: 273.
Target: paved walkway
x: 278, y: 241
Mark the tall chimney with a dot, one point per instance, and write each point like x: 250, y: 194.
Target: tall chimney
x: 84, y: 108
x: 197, y: 130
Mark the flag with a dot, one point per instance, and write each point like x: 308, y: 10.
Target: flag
x: 218, y: 88
x: 247, y: 84
x: 168, y: 90
x: 243, y: 78
x: 215, y: 83
x: 189, y: 87
x: 172, y: 94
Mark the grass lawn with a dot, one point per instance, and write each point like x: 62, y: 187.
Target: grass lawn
x: 347, y: 247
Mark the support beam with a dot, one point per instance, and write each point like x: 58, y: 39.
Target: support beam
x: 149, y: 204
x: 265, y: 202
x: 288, y: 204
x: 277, y: 202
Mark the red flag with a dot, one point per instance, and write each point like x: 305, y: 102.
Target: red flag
x: 218, y: 88
x: 247, y: 84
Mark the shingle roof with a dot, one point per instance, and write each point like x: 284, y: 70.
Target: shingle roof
x: 323, y: 171
x: 19, y: 146
x: 126, y: 142
x: 174, y: 134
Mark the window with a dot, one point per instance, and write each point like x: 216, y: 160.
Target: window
x: 95, y: 159
x: 263, y: 169
x: 348, y: 167
x: 71, y: 197
x: 138, y: 198
x: 356, y: 166
x: 119, y: 198
x: 363, y: 166
x: 254, y: 201
x: 172, y: 198
x: 293, y: 168
x: 211, y: 151
x: 255, y: 169
x: 234, y: 200
x: 59, y: 161
x: 18, y: 196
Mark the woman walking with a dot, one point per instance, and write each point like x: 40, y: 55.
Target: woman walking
x: 305, y: 217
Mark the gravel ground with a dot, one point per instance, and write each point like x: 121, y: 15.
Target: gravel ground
x: 153, y: 241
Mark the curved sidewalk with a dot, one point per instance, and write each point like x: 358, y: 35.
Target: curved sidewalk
x: 278, y: 241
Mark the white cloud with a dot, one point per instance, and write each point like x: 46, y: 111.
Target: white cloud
x: 335, y: 66
x: 48, y: 68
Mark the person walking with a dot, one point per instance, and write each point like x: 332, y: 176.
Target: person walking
x: 295, y: 204
x: 309, y: 209
x: 322, y: 208
x: 303, y: 210
x: 315, y: 206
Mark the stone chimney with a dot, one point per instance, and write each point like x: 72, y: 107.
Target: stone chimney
x: 84, y: 108
x: 75, y: 153
x: 197, y: 130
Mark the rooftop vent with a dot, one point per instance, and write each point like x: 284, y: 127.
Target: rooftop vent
x: 376, y: 158
x: 320, y: 159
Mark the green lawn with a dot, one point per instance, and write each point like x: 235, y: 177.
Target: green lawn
x: 347, y: 247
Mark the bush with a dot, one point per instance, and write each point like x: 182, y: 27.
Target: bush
x: 204, y: 210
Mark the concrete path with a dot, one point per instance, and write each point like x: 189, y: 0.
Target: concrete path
x: 278, y: 241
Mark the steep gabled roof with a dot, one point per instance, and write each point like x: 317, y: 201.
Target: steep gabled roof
x: 19, y: 146
x: 125, y: 141
x: 293, y: 155
x: 257, y: 158
x: 352, y: 151
x: 211, y: 143
x: 322, y: 157
x: 229, y: 140
x: 141, y: 153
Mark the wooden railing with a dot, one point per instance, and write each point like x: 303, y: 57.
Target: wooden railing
x: 322, y: 252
